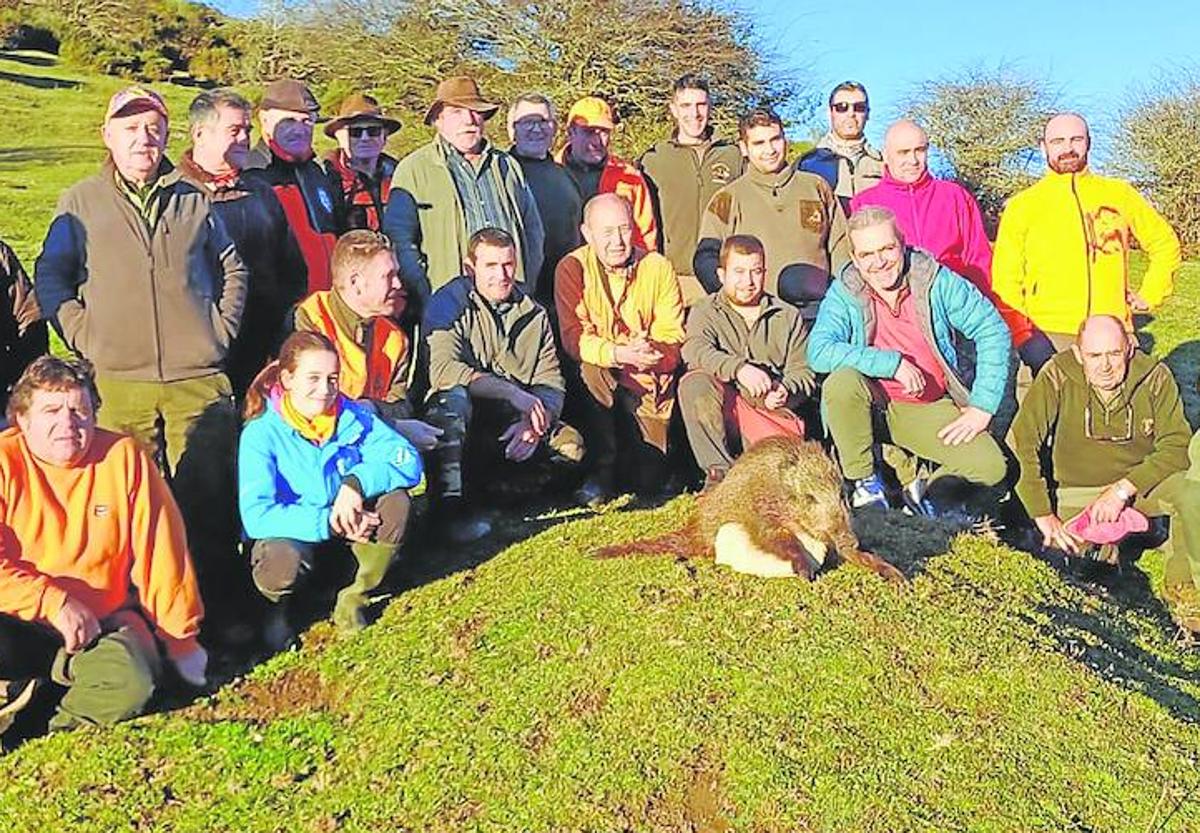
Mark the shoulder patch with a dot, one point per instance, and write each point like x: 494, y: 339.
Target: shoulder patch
x: 721, y: 206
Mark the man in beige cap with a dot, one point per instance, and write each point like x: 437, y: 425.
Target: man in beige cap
x: 140, y: 277
x: 454, y: 186
x: 586, y: 156
x: 359, y: 170
x: 287, y: 113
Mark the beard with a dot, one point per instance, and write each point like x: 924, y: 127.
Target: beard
x: 1068, y: 163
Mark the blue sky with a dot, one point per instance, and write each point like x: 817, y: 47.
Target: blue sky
x: 1091, y: 52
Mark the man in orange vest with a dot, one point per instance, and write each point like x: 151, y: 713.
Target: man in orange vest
x: 358, y: 314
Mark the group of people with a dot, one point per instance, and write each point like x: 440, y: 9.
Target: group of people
x: 437, y: 323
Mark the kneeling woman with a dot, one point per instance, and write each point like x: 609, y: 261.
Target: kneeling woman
x: 316, y: 468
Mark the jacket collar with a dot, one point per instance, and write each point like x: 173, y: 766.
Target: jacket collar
x: 776, y: 180
x: 890, y: 181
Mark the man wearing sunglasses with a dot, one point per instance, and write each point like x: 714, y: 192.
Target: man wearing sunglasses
x: 359, y: 170
x: 287, y: 114
x: 1112, y: 420
x: 843, y: 157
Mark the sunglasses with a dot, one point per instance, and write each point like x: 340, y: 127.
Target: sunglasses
x: 845, y: 106
x: 373, y: 131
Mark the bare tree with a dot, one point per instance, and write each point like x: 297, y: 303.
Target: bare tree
x: 1157, y: 145
x: 985, y: 124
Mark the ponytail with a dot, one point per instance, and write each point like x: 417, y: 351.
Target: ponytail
x: 289, y: 359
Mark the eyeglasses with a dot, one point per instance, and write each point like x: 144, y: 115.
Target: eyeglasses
x: 1089, y: 430
x: 373, y: 131
x: 844, y: 106
x: 530, y: 122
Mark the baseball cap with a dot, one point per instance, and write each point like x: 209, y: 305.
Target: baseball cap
x: 592, y: 111
x: 130, y: 96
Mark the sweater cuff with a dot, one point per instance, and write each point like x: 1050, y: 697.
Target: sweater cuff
x: 53, y: 599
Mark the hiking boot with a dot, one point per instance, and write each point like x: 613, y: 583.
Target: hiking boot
x: 1183, y: 602
x: 915, y: 501
x: 868, y: 491
x: 593, y: 494
x: 374, y: 559
x: 566, y: 445
x: 16, y: 695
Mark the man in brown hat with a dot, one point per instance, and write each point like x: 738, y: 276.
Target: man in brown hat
x: 359, y: 169
x: 454, y: 186
x: 287, y: 114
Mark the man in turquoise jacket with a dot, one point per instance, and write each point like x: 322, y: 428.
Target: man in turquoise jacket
x: 884, y: 334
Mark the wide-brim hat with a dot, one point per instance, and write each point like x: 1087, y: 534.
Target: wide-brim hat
x: 360, y: 107
x: 460, y: 91
x: 292, y: 95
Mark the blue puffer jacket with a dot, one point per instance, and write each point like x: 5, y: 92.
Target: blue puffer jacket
x: 286, y: 484
x: 945, y: 302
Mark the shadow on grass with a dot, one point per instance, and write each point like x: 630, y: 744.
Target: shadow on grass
x: 1184, y: 362
x: 1102, y: 635
x: 27, y: 58
x: 21, y: 158
x: 40, y: 82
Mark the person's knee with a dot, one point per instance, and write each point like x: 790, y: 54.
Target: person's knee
x: 846, y: 384
x: 393, y: 509
x: 698, y: 389
x: 276, y: 564
x: 450, y: 408
x: 991, y: 468
x: 113, y: 680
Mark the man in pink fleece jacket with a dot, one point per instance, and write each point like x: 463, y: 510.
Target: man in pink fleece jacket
x: 937, y: 215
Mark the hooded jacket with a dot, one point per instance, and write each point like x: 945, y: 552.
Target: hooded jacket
x: 286, y: 484
x: 849, y: 167
x: 945, y: 302
x: 1141, y: 434
x: 683, y: 181
x: 150, y: 302
x: 943, y: 218
x: 1062, y: 252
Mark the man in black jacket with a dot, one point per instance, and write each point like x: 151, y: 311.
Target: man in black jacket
x: 22, y: 332
x: 219, y: 121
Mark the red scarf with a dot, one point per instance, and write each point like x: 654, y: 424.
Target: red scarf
x: 356, y: 189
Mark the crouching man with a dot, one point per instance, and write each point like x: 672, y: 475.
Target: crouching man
x: 96, y: 584
x: 493, y: 375
x: 1112, y: 418
x: 745, y: 354
x: 885, y: 335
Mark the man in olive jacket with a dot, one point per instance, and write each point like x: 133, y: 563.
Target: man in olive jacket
x: 454, y: 186
x: 745, y: 353
x: 493, y: 372
x: 1113, y: 420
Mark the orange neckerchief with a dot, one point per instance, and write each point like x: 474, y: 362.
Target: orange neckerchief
x: 317, y: 430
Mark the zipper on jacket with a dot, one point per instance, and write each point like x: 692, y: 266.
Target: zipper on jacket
x: 1087, y: 244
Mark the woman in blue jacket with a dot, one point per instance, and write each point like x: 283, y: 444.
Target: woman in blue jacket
x: 315, y: 469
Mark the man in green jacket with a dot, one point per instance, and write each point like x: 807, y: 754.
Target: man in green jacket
x: 493, y: 375
x: 745, y: 353
x: 454, y: 186
x: 1113, y: 421
x: 796, y: 216
x: 684, y: 171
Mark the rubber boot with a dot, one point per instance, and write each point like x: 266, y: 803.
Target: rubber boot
x: 373, y: 562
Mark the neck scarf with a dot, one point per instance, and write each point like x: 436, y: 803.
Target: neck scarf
x: 317, y: 430
x: 852, y: 149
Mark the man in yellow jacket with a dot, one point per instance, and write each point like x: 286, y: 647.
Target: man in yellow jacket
x: 1062, y: 252
x: 97, y: 589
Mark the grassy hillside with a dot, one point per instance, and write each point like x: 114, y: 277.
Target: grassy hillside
x: 522, y: 686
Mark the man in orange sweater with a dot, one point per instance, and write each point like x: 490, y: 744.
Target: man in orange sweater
x: 96, y: 584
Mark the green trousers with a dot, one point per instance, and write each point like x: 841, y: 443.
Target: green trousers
x: 1178, y: 498
x: 110, y: 681
x: 857, y: 417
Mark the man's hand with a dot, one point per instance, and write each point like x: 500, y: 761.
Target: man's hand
x: 638, y: 353
x: 754, y: 379
x: 77, y: 624
x: 532, y: 408
x: 970, y: 423
x: 1136, y: 302
x: 776, y: 397
x: 1107, y: 508
x: 421, y: 434
x: 910, y: 378
x: 520, y: 441
x: 1055, y: 534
